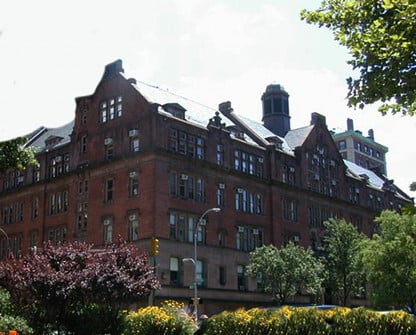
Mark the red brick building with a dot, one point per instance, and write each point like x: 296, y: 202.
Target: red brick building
x: 139, y: 162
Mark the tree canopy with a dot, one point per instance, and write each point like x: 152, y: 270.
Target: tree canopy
x: 342, y: 245
x: 14, y: 155
x: 380, y: 37
x: 286, y: 271
x: 389, y: 259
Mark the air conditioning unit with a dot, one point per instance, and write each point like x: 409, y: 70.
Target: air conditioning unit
x: 132, y: 217
x: 239, y: 190
x: 316, y: 177
x: 357, y: 190
x: 255, y: 231
x: 133, y: 174
x: 260, y: 159
x: 221, y: 186
x: 291, y: 169
x: 184, y: 176
x: 332, y: 162
x: 133, y: 132
x: 106, y: 222
x: 371, y: 196
x: 58, y: 159
x: 296, y: 238
x: 241, y: 229
x: 108, y: 141
x: 333, y: 182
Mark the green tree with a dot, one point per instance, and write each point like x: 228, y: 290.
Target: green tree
x: 380, y: 37
x: 14, y: 155
x: 389, y: 259
x: 286, y: 271
x: 341, y: 246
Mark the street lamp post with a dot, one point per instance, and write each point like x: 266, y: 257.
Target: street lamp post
x: 194, y: 260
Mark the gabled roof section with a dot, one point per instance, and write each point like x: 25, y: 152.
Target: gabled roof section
x: 296, y: 137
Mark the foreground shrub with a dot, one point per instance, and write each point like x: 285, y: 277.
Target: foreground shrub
x: 310, y: 321
x: 169, y: 319
x: 284, y: 321
x: 9, y: 316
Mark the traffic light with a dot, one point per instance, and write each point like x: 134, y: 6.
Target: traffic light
x: 154, y: 246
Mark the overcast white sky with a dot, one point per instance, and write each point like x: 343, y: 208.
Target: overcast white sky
x: 209, y: 50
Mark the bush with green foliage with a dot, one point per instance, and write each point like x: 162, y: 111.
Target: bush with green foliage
x: 9, y: 318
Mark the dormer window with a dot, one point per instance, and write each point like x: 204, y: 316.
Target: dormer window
x: 175, y: 109
x: 236, y: 132
x: 52, y: 140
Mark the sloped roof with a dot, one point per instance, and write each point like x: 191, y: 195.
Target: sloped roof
x: 375, y: 181
x: 198, y: 113
x: 39, y: 137
x: 297, y: 137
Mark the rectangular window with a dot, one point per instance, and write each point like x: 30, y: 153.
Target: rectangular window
x: 111, y: 109
x: 256, y: 238
x: 242, y: 241
x: 33, y: 239
x: 173, y: 140
x: 191, y: 187
x: 186, y: 144
x: 172, y: 226
x: 36, y: 174
x: 222, y: 275
x: 200, y: 190
x: 109, y: 152
x: 83, y: 146
x: 174, y: 268
x: 133, y: 233
x: 248, y: 163
x: 200, y: 151
x: 103, y: 112
x: 241, y: 278
x: 133, y: 184
x: 182, y: 143
x: 220, y: 197
x: 181, y: 227
x: 201, y: 234
x: 172, y: 184
x: 57, y: 235
x: 52, y: 204
x: 109, y: 185
x: 200, y: 273
x: 134, y: 145
x: 220, y: 154
x: 290, y: 210
x: 108, y: 230
x: 35, y: 208
x: 182, y: 188
x: 237, y: 163
x: 191, y: 226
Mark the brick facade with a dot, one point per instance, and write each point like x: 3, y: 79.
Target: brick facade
x: 134, y: 167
